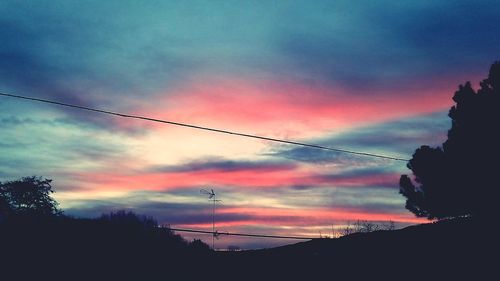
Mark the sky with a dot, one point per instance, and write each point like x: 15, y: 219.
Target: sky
x: 369, y: 76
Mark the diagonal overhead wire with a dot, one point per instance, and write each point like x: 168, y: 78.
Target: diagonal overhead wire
x: 216, y: 233
x: 206, y: 128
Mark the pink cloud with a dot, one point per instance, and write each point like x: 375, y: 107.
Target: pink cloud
x: 255, y: 177
x: 304, y: 217
x: 291, y: 109
x: 247, y: 177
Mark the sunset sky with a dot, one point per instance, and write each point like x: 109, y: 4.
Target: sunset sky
x: 369, y: 76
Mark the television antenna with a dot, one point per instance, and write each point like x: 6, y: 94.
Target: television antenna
x: 212, y: 197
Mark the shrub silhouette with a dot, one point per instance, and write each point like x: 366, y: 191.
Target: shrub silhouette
x: 28, y: 196
x: 199, y: 246
x: 129, y: 219
x: 458, y: 178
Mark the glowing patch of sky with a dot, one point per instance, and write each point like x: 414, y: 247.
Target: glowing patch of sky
x: 369, y: 76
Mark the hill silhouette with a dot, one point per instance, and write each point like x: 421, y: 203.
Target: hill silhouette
x: 119, y: 245
x: 130, y: 247
x: 460, y: 247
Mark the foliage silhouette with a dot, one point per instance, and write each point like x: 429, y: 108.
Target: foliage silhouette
x: 199, y: 246
x: 28, y: 196
x: 458, y: 179
x: 120, y: 245
x: 35, y: 235
x: 129, y: 218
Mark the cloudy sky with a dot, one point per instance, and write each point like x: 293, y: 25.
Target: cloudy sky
x: 370, y: 76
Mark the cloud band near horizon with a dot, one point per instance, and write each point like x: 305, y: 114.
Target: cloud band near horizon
x: 376, y: 77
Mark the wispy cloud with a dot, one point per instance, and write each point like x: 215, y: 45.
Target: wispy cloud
x: 368, y: 76
x: 219, y: 164
x: 395, y: 138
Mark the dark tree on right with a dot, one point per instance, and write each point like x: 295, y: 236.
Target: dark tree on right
x: 459, y: 178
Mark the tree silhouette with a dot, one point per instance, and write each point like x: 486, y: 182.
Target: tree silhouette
x: 458, y: 178
x: 27, y: 196
x: 130, y: 219
x: 199, y: 246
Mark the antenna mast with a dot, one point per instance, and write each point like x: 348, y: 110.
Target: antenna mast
x: 212, y: 197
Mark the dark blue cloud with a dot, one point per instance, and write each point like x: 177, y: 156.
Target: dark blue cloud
x: 362, y: 172
x: 52, y: 147
x: 393, y: 44
x: 176, y: 213
x: 451, y: 31
x: 26, y: 66
x: 26, y: 69
x: 14, y: 121
x: 83, y: 59
x: 402, y: 136
x: 315, y: 156
x: 164, y: 213
x: 84, y: 148
x: 395, y: 138
x: 223, y: 165
x: 90, y: 58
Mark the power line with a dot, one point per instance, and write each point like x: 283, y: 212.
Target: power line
x: 206, y: 128
x: 216, y: 233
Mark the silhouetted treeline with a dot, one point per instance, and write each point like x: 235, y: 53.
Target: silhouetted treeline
x: 120, y: 244
x: 124, y: 246
x: 37, y: 240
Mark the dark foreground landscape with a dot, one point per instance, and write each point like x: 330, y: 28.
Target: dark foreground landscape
x: 133, y: 247
x: 263, y: 118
